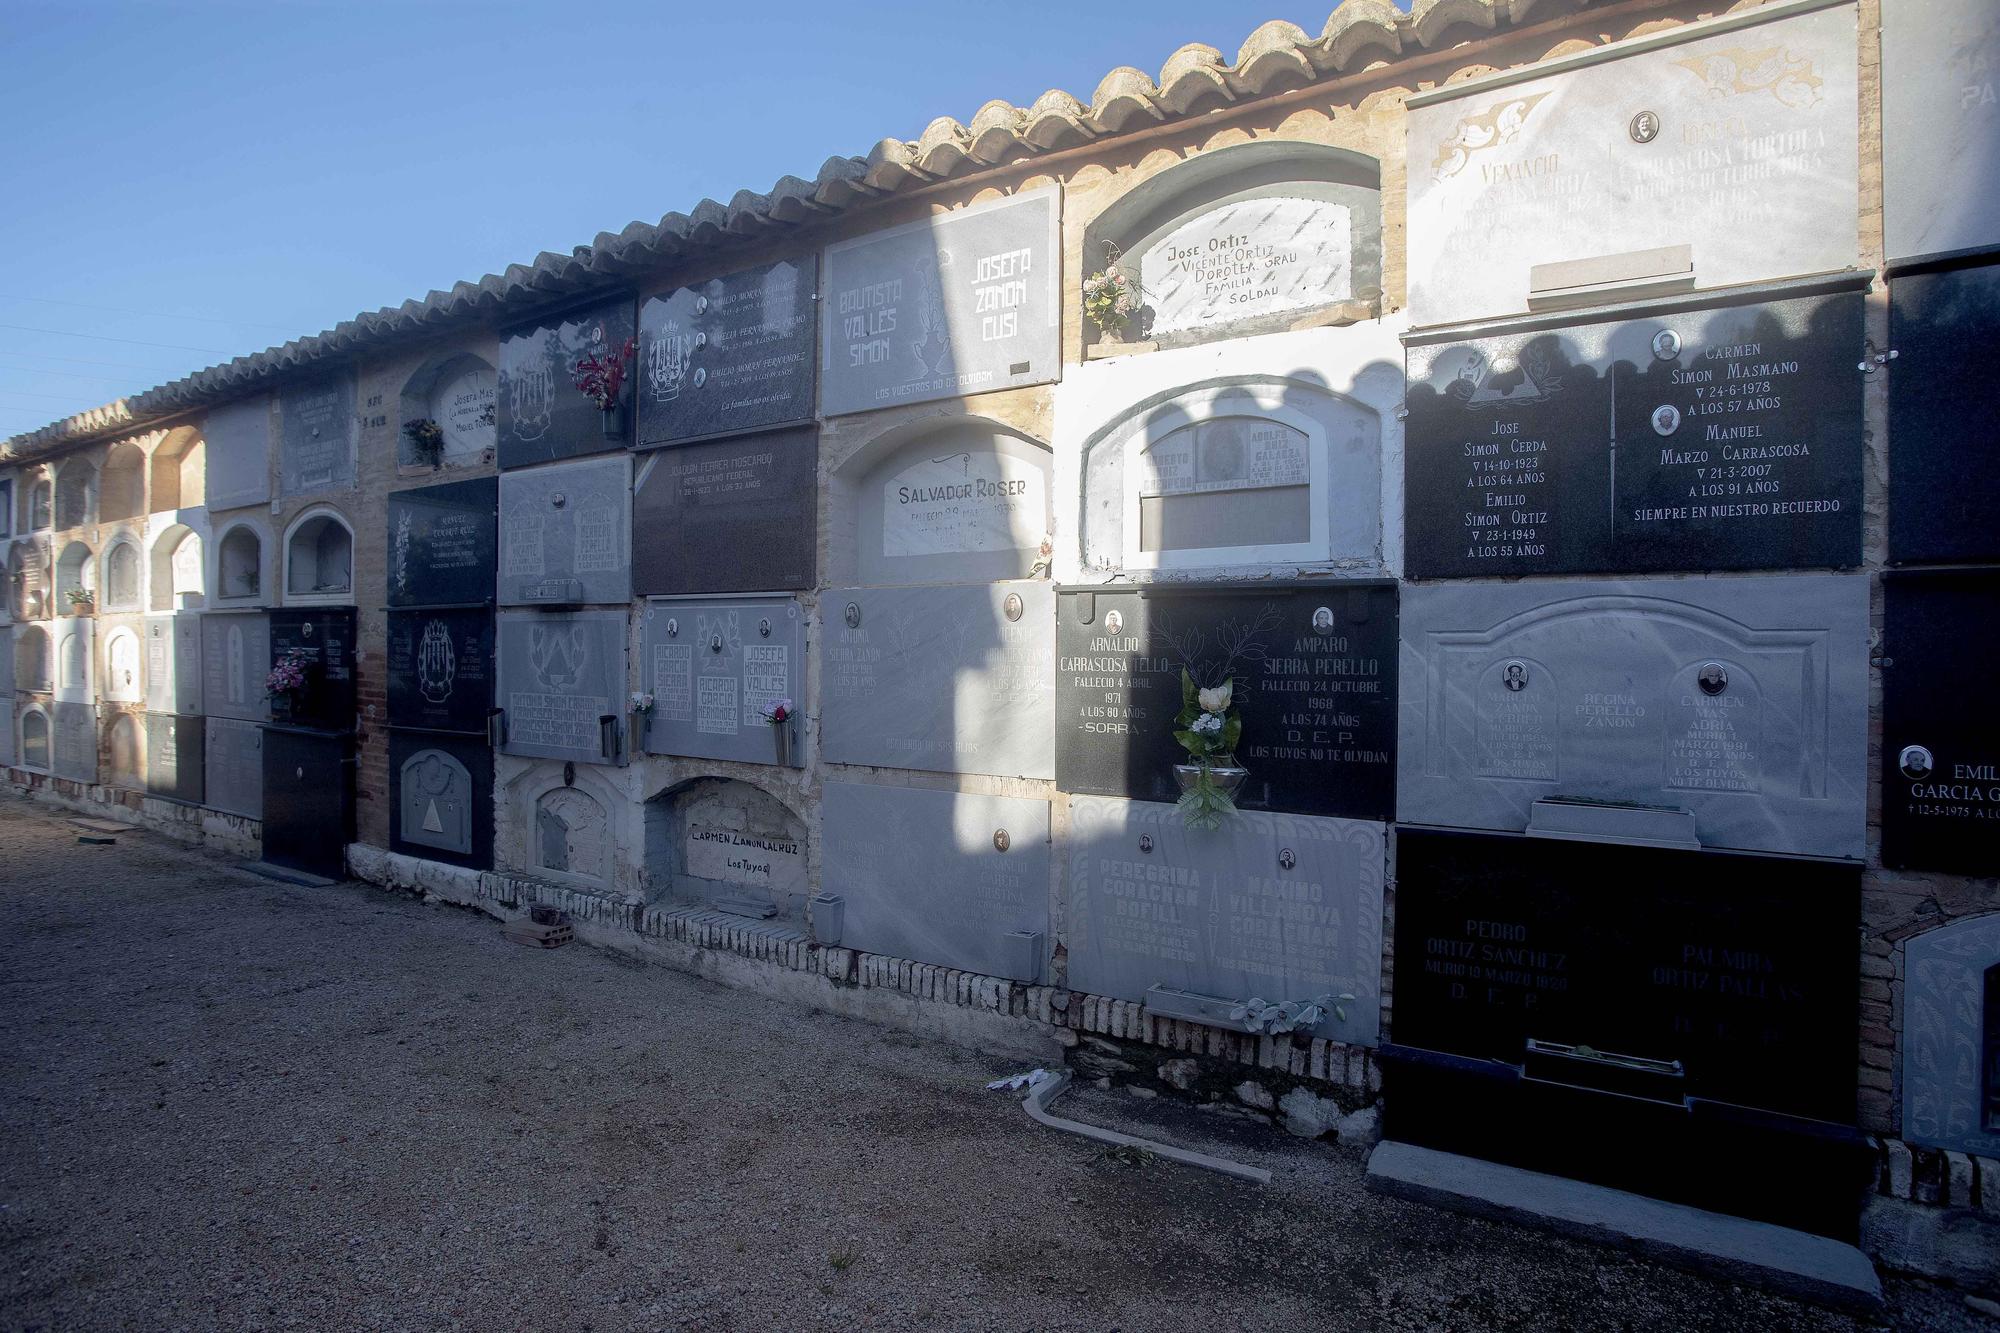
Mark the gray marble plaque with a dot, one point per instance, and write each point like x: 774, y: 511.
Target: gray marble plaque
x: 173, y: 663
x: 233, y: 765
x: 566, y: 533
x: 713, y: 667
x: 1940, y: 127
x: 237, y: 440
x: 235, y: 661
x: 733, y: 354
x: 75, y: 728
x: 434, y: 806
x: 1274, y: 907
x: 1950, y: 990
x: 76, y: 650
x: 316, y: 449
x: 561, y: 673
x: 174, y: 746
x: 923, y: 875
x: 953, y: 680
x: 962, y: 303
x: 1741, y: 700
x: 1740, y: 143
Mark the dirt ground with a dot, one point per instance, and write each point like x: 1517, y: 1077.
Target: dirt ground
x: 227, y: 1103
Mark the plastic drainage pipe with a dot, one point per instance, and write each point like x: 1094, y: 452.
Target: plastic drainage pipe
x: 1041, y: 1094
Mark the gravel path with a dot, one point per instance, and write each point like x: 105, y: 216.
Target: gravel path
x: 227, y: 1103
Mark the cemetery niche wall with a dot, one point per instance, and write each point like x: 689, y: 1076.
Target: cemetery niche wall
x: 1938, y: 119
x: 441, y: 798
x: 1699, y: 439
x: 235, y: 661
x: 1725, y: 712
x: 1940, y: 729
x: 320, y: 430
x: 940, y: 877
x: 566, y: 534
x: 542, y: 415
x: 1243, y: 240
x: 732, y: 354
x: 460, y: 394
x: 233, y: 767
x: 1314, y: 682
x: 716, y: 669
x: 562, y: 685
x: 443, y: 543
x: 1942, y: 415
x: 440, y: 669
x: 730, y: 846
x: 960, y: 303
x: 733, y: 515
x: 1258, y: 453
x: 1191, y: 922
x: 1951, y: 1041
x: 1704, y: 156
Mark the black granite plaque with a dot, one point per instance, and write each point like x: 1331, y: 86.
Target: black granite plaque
x: 441, y: 669
x: 1315, y: 683
x: 308, y: 799
x: 441, y: 798
x: 734, y: 515
x: 734, y: 354
x: 174, y: 756
x: 1940, y: 722
x: 1721, y: 438
x: 543, y: 415
x: 443, y: 543
x: 325, y: 638
x: 1944, y: 417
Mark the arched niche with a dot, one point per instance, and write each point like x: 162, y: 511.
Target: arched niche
x: 458, y: 392
x: 75, y: 570
x: 72, y: 659
x: 76, y: 494
x: 124, y: 679
x: 126, y: 747
x: 319, y: 558
x: 239, y: 564
x: 1243, y: 240
x: 122, y: 576
x: 727, y: 844
x: 944, y: 499
x: 38, y: 506
x: 28, y: 578
x: 122, y: 492
x: 36, y: 747
x: 178, y: 582
x: 180, y: 471
x: 34, y: 666
x: 564, y: 828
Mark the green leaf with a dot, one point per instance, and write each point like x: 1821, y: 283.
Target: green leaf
x: 1188, y: 691
x: 1190, y: 742
x: 1232, y: 731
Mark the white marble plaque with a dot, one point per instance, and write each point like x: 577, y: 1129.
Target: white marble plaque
x: 75, y: 641
x: 235, y: 663
x: 465, y: 406
x: 1248, y: 258
x: 75, y: 726
x: 768, y: 862
x: 173, y: 663
x: 1740, y: 142
x: 959, y: 504
x: 1940, y: 127
x: 237, y: 461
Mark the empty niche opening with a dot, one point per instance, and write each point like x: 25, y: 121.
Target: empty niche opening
x: 76, y: 486
x: 122, y: 493
x: 240, y: 564
x: 121, y: 576
x: 458, y: 394
x: 942, y: 500
x: 39, y: 506
x: 1244, y: 240
x: 727, y: 844
x: 31, y: 659
x: 73, y: 576
x: 122, y: 681
x: 178, y: 583
x: 35, y: 739
x: 128, y: 764
x: 319, y: 557
x: 180, y: 471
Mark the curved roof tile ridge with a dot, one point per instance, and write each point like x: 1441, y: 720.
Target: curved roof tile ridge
x: 1275, y: 55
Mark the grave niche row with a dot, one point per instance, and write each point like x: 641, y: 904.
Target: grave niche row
x: 1712, y: 439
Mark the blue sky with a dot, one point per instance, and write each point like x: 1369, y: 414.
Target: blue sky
x: 198, y: 181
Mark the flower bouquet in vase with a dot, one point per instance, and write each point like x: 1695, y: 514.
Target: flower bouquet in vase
x: 600, y: 377
x: 1208, y: 728
x: 286, y: 684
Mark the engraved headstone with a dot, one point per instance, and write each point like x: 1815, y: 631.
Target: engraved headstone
x: 75, y: 640
x: 440, y: 668
x: 1314, y: 683
x: 324, y: 641
x: 1739, y: 144
x: 173, y: 663
x: 1248, y: 258
x: 714, y: 669
x: 235, y: 661
x: 566, y: 533
x: 952, y: 680
x: 1943, y: 411
x: 174, y: 747
x: 443, y: 543
x: 962, y: 303
x: 441, y: 790
x: 562, y: 684
x: 236, y: 440
x: 736, y: 515
x: 1940, y: 724
x: 308, y: 799
x: 940, y: 877
x: 1951, y: 1009
x: 1276, y: 907
x: 1743, y: 701
x: 233, y: 764
x: 75, y: 740
x: 733, y: 354
x: 1720, y: 438
x: 543, y: 415
x: 1940, y: 114
x: 124, y: 750
x: 465, y: 403
x: 316, y: 450
x: 967, y: 502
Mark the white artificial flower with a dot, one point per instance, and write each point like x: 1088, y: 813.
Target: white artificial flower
x: 1216, y: 700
